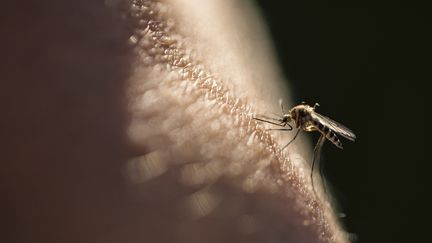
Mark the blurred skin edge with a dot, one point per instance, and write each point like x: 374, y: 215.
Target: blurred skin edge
x: 64, y: 132
x: 64, y: 70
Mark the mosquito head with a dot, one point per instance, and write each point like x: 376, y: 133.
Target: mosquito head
x: 286, y: 118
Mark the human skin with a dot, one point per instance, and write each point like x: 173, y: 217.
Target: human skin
x: 151, y: 141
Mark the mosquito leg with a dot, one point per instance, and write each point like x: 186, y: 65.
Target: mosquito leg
x: 263, y: 117
x: 316, y: 157
x: 295, y: 136
x: 280, y: 129
x: 274, y: 123
x: 267, y: 121
x: 322, y: 177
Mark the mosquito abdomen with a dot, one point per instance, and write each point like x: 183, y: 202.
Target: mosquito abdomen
x: 328, y: 133
x: 334, y: 139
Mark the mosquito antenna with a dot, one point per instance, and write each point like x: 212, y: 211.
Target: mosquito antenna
x: 316, y: 157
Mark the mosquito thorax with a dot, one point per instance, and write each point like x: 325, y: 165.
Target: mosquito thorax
x: 299, y: 113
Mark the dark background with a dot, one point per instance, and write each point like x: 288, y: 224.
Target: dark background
x: 365, y: 63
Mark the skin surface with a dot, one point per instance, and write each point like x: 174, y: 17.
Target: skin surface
x: 152, y: 140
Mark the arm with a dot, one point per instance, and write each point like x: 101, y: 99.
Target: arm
x: 198, y: 168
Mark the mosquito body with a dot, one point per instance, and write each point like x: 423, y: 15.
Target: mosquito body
x: 305, y: 118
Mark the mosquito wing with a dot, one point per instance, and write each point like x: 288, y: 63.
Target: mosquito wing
x: 335, y: 126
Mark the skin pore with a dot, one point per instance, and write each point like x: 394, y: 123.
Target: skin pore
x: 152, y: 141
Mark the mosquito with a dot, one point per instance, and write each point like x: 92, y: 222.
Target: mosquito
x: 305, y: 118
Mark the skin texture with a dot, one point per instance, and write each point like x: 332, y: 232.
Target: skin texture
x: 152, y: 140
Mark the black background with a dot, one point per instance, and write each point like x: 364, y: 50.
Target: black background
x: 365, y: 63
